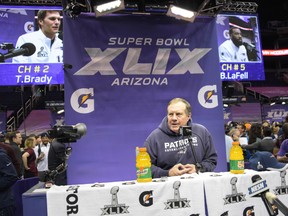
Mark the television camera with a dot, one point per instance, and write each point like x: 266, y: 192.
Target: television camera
x: 59, y: 152
x: 68, y: 133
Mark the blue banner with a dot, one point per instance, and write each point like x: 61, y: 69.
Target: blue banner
x: 32, y: 74
x: 277, y: 112
x: 124, y: 69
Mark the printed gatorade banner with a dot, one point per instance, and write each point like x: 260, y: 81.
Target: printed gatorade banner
x: 123, y: 70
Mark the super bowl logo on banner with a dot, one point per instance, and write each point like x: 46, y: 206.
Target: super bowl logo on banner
x: 235, y: 196
x: 207, y: 96
x: 177, y: 202
x: 283, y: 189
x: 114, y: 207
x: 82, y: 100
x: 101, y: 61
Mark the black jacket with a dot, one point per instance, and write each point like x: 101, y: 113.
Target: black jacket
x: 8, y: 176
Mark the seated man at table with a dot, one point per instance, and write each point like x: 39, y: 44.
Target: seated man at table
x: 171, y: 153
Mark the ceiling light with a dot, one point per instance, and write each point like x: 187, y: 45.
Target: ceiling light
x: 273, y: 103
x: 109, y: 7
x: 60, y: 111
x: 181, y: 13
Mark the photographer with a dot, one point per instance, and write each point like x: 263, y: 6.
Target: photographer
x: 171, y: 154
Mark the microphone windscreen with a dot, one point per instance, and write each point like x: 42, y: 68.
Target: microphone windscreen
x: 256, y: 178
x: 30, y: 49
x: 270, y: 197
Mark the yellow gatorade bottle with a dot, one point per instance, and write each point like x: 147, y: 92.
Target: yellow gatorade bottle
x: 236, y: 159
x: 143, y: 166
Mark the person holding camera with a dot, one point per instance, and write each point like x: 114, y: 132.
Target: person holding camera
x: 175, y: 154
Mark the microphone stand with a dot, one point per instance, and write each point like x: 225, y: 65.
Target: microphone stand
x: 267, y: 205
x: 186, y: 131
x: 197, y: 164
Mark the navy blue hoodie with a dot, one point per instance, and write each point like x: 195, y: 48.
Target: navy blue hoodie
x: 8, y: 176
x: 167, y: 148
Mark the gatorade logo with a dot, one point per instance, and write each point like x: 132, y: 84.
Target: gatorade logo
x: 207, y: 96
x: 249, y: 211
x: 82, y: 100
x: 146, y: 198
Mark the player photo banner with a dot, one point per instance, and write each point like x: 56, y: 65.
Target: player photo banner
x: 240, y: 51
x: 122, y: 70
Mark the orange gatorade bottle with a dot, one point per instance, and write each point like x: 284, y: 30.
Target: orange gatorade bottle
x: 236, y: 159
x: 143, y: 166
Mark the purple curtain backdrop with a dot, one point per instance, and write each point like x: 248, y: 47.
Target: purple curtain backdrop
x: 124, y: 71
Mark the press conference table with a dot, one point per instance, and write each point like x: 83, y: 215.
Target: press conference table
x: 203, y: 194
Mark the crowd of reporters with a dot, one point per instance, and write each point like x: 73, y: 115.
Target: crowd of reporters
x: 259, y: 136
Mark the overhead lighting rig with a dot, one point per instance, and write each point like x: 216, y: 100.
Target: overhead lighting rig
x: 239, y: 6
x: 106, y: 7
x: 181, y: 13
x: 199, y: 7
x: 73, y: 8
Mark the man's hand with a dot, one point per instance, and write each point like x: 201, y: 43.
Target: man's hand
x: 191, y: 168
x: 180, y: 169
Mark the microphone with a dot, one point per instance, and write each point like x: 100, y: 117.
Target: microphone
x: 185, y: 130
x: 249, y: 45
x: 272, y: 199
x: 26, y: 49
x: 259, y: 189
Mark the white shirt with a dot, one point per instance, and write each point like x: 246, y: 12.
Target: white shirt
x: 228, y: 52
x: 45, y: 53
x: 228, y: 143
x: 43, y: 164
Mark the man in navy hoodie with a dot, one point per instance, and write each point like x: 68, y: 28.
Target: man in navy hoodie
x: 8, y: 176
x: 171, y: 153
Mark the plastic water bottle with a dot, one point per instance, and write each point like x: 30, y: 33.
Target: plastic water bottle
x: 236, y: 159
x: 143, y: 166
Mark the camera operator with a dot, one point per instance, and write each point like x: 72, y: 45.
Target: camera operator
x: 171, y: 153
x: 57, y: 162
x: 60, y: 150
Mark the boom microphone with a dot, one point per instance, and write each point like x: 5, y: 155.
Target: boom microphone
x: 26, y: 49
x: 259, y: 189
x: 275, y: 201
